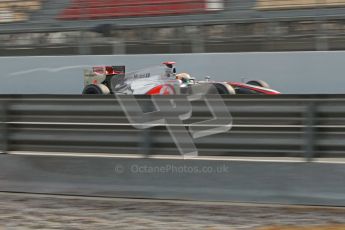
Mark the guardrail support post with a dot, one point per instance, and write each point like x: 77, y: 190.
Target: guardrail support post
x: 309, y: 131
x: 145, y: 147
x: 3, y: 127
x: 146, y: 142
x: 119, y: 46
x: 196, y: 37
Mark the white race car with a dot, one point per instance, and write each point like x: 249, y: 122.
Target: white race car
x: 162, y: 80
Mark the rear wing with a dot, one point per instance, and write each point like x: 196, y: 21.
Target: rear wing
x: 102, y: 74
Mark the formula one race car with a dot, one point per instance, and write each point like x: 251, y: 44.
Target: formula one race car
x: 162, y: 80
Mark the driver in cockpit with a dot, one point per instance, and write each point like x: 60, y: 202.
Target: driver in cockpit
x: 184, y: 79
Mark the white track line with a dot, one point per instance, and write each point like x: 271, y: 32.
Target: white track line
x: 151, y: 124
x: 162, y: 124
x: 179, y: 157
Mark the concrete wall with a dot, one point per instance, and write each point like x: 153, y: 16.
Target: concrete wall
x: 288, y: 72
x: 240, y: 181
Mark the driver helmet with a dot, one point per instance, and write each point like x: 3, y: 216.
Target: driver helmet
x: 183, y: 77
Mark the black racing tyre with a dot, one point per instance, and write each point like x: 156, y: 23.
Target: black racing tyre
x: 259, y: 83
x: 221, y: 88
x: 99, y: 89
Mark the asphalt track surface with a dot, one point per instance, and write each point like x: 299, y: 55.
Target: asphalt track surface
x: 47, y: 211
x: 39, y: 211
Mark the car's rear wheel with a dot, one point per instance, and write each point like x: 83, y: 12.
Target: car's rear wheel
x: 259, y: 83
x: 99, y: 89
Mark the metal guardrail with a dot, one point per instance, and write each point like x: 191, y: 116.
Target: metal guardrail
x: 279, y: 126
x: 304, y: 126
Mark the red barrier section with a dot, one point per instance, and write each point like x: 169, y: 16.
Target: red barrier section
x: 97, y: 9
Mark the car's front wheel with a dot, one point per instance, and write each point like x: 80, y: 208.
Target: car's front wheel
x: 259, y: 83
